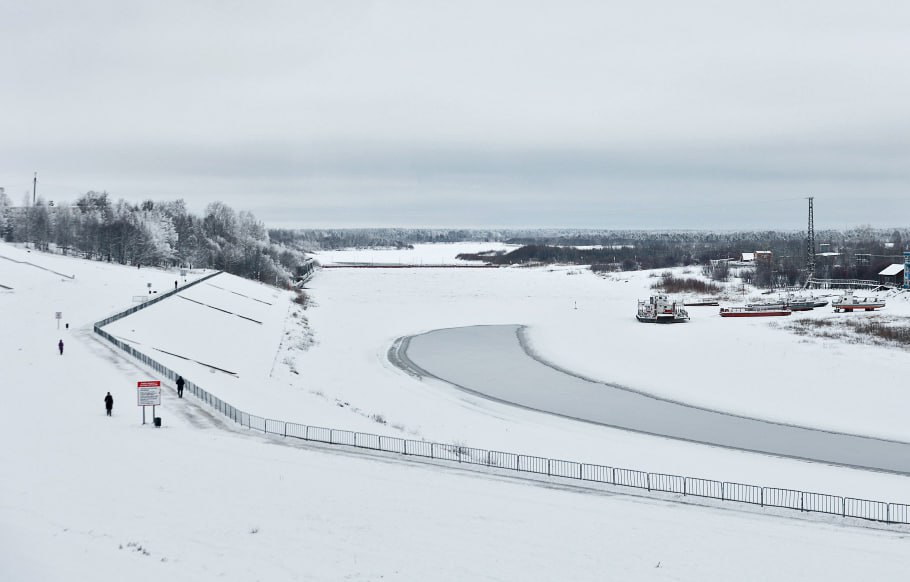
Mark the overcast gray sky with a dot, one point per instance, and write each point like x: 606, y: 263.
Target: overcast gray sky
x: 594, y: 114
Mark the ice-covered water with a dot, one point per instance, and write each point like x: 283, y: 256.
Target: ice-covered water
x: 492, y: 361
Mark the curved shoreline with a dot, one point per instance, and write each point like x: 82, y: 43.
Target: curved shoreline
x: 497, y: 363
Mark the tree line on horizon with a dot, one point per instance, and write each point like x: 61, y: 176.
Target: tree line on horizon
x: 163, y: 234
x: 859, y: 253
x: 167, y: 234
x: 855, y: 253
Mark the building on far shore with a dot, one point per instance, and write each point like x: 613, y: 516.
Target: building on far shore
x: 893, y: 274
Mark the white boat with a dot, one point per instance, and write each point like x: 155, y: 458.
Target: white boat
x: 660, y: 309
x: 703, y: 302
x: 790, y: 302
x: 850, y: 302
x: 801, y: 303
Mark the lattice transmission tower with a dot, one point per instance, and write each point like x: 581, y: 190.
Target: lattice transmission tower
x: 810, y: 244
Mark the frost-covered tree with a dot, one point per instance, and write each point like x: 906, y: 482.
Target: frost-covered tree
x: 158, y: 237
x: 39, y: 224
x: 188, y: 232
x: 5, y: 205
x: 64, y: 227
x: 156, y: 234
x: 94, y: 225
x: 220, y: 222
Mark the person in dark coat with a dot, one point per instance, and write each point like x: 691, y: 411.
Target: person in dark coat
x: 109, y: 403
x: 180, y: 383
x: 60, y: 345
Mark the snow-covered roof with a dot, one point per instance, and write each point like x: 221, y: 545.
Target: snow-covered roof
x: 748, y: 257
x: 892, y: 270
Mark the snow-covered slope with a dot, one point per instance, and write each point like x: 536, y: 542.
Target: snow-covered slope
x: 84, y: 496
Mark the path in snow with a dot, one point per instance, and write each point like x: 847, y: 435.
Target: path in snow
x: 494, y: 362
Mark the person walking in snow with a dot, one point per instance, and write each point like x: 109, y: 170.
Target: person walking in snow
x: 109, y: 403
x: 180, y: 383
x: 60, y: 345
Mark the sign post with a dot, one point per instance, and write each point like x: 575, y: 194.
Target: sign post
x: 149, y: 394
x: 58, y: 316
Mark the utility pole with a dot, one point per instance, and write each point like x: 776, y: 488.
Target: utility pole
x: 34, y: 188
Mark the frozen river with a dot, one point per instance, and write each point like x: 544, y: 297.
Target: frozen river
x: 492, y: 361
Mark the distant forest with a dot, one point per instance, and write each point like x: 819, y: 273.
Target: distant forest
x: 313, y: 240
x: 858, y: 253
x: 152, y: 233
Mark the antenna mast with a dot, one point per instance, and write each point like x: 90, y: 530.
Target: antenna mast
x: 34, y: 188
x: 810, y: 243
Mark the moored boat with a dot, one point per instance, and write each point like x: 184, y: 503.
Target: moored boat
x: 800, y: 303
x: 850, y: 302
x: 703, y: 302
x: 767, y: 305
x: 660, y: 309
x: 754, y: 311
x: 791, y: 302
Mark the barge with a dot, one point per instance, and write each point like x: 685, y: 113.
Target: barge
x: 660, y: 309
x: 754, y: 311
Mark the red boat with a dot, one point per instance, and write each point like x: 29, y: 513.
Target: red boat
x: 754, y: 311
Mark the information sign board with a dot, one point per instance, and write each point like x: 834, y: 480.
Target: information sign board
x: 149, y: 393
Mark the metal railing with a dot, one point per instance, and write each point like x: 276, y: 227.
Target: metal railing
x: 814, y: 283
x: 149, y: 302
x: 803, y: 501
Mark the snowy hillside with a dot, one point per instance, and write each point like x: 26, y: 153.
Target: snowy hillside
x: 89, y: 497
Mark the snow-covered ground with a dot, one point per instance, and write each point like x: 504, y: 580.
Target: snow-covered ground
x: 586, y: 323
x: 85, y: 496
x: 344, y: 379
x: 429, y: 254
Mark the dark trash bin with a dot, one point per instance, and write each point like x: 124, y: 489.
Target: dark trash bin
x: 157, y: 422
